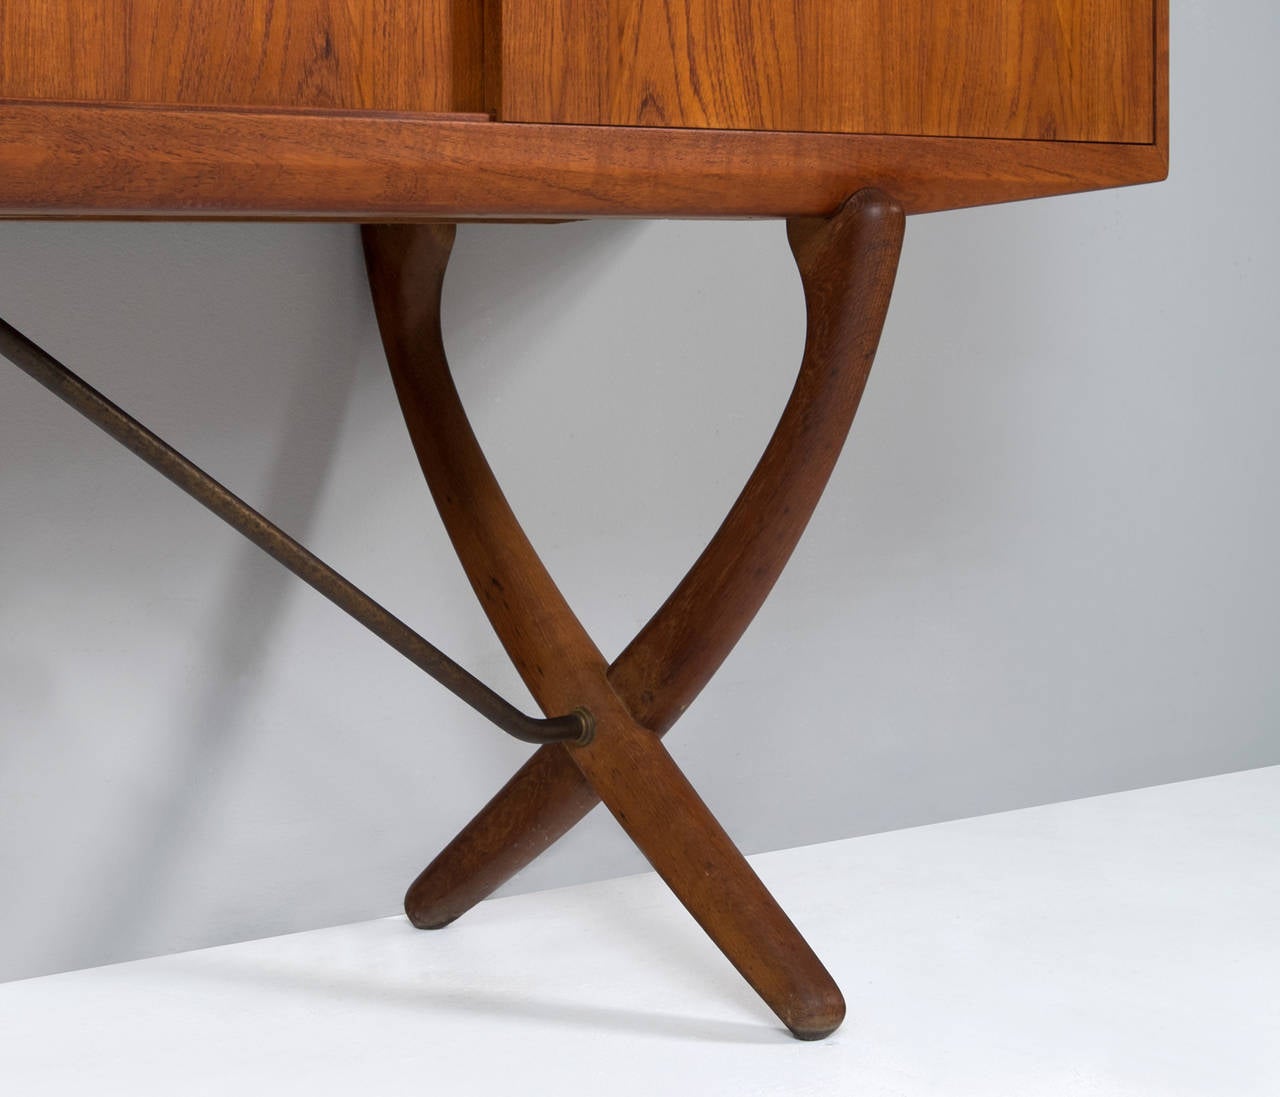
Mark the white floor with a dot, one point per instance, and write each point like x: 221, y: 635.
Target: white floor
x: 1126, y: 944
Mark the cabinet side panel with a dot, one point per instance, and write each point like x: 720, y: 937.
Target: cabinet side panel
x: 1079, y: 70
x: 348, y: 54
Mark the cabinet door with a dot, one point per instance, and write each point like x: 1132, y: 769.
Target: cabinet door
x: 1072, y: 70
x: 411, y: 55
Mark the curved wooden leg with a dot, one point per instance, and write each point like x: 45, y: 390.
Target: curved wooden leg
x: 847, y: 267
x: 847, y: 264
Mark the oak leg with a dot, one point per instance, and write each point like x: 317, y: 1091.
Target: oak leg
x: 847, y: 264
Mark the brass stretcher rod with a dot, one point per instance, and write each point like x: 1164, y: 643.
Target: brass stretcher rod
x: 576, y: 727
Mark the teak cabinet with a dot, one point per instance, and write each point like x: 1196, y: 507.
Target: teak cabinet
x: 571, y: 108
x: 839, y: 116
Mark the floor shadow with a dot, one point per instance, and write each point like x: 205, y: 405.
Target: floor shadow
x: 486, y: 1004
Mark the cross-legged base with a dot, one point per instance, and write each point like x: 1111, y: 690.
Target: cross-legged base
x: 847, y: 265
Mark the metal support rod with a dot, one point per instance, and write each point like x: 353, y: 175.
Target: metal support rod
x: 576, y: 727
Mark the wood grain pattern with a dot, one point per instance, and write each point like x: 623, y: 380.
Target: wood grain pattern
x: 101, y: 161
x: 624, y: 764
x: 1043, y: 69
x: 847, y: 267
x: 375, y: 54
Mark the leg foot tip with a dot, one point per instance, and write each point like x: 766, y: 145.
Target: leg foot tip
x: 818, y: 1020
x: 425, y: 916
x: 811, y: 1034
x: 430, y: 923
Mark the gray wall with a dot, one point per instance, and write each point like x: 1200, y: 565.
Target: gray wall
x: 1045, y: 567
